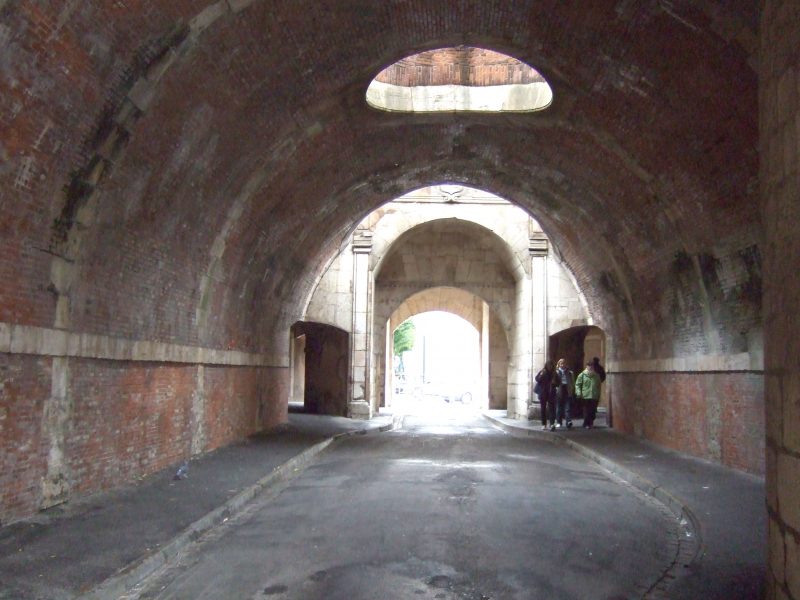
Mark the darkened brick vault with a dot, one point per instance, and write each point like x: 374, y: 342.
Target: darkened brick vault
x: 175, y: 176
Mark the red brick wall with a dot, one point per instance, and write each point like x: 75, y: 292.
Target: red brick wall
x: 130, y: 420
x: 24, y: 387
x: 57, y: 90
x: 231, y: 409
x: 715, y: 416
x: 273, y: 388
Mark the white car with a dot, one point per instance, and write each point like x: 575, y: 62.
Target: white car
x: 449, y: 392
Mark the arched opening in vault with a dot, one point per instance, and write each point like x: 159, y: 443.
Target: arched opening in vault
x: 438, y: 237
x: 442, y: 371
x: 459, y: 79
x: 319, y: 365
x: 478, y: 352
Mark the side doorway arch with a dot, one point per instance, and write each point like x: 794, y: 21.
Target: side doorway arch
x: 579, y: 345
x: 320, y: 356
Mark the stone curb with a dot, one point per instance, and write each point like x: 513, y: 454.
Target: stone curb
x: 690, y: 542
x: 119, y: 584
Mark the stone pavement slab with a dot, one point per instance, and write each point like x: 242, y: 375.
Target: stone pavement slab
x: 727, y: 506
x: 68, y: 550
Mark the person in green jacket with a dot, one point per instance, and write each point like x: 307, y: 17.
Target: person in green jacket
x: 587, y: 387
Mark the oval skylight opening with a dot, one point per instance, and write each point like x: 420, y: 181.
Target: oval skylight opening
x: 462, y: 78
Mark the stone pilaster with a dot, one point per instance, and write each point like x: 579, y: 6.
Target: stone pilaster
x: 538, y: 248
x: 779, y: 105
x: 359, y: 406
x: 55, y: 423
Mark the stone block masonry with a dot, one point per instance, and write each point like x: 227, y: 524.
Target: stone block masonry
x: 780, y: 190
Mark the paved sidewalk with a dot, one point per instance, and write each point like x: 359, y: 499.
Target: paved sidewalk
x: 68, y: 550
x: 727, y: 506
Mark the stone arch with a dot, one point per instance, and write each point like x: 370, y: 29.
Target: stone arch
x: 475, y: 311
x: 452, y: 300
x: 387, y: 233
x: 452, y: 253
x: 410, y: 272
x: 510, y: 265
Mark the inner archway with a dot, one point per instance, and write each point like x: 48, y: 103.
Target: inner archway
x: 484, y: 376
x: 319, y: 368
x: 448, y: 236
x: 577, y: 346
x: 442, y: 371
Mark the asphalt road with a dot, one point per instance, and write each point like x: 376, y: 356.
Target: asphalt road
x: 445, y: 508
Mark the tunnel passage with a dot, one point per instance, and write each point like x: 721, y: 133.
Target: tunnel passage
x: 456, y: 238
x: 160, y: 162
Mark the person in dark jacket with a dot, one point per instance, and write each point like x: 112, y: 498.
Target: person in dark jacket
x: 564, y: 384
x: 544, y: 380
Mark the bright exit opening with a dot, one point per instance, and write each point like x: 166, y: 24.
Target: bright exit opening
x: 436, y: 364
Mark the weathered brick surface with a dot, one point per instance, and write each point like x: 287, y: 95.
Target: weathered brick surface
x: 131, y: 420
x: 742, y: 416
x: 65, y: 65
x: 210, y: 128
x: 273, y: 388
x: 233, y: 401
x: 715, y: 416
x: 24, y: 388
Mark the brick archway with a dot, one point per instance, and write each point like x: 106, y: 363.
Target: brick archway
x: 174, y: 179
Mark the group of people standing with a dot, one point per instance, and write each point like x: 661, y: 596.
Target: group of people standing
x: 557, y: 385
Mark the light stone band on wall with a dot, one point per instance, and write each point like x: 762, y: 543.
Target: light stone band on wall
x: 42, y: 341
x: 745, y: 361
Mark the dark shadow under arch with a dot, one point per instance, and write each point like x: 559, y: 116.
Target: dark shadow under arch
x: 320, y: 363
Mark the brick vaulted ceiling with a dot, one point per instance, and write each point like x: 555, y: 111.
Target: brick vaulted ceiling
x: 459, y: 65
x: 196, y: 164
